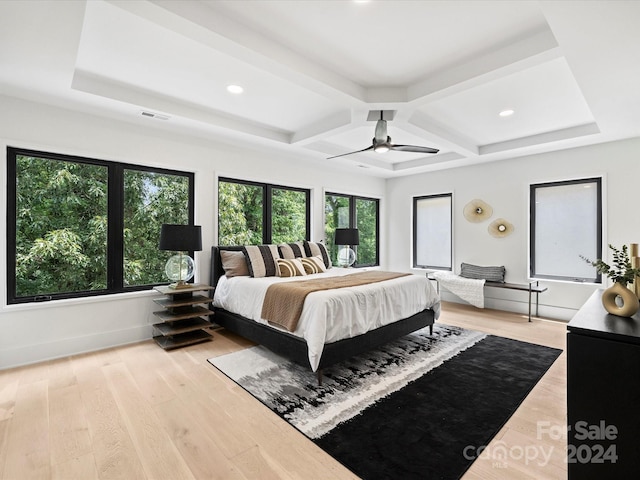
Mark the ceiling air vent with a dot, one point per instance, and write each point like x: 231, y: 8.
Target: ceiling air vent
x: 159, y: 116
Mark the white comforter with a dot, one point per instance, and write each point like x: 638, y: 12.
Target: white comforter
x: 331, y: 315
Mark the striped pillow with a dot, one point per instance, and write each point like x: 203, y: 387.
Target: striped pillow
x: 313, y: 264
x: 314, y: 249
x: 261, y: 260
x: 491, y: 274
x: 291, y: 250
x: 290, y: 267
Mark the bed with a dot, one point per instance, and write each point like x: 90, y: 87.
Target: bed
x: 305, y: 345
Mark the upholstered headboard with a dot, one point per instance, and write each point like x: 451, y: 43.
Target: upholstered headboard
x: 216, y: 262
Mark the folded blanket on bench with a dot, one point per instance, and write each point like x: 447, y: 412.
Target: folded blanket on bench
x: 468, y: 289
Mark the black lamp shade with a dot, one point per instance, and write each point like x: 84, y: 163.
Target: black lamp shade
x: 181, y: 238
x: 347, y: 236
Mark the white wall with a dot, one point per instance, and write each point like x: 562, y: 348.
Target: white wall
x: 505, y: 186
x: 37, y: 332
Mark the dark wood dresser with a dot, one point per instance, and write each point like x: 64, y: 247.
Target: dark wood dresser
x: 603, y: 394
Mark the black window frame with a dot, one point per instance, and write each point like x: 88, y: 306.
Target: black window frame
x: 267, y: 189
x: 353, y: 222
x: 415, y: 231
x: 115, y: 223
x: 532, y: 228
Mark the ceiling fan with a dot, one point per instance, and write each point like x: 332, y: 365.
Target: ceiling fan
x: 382, y: 142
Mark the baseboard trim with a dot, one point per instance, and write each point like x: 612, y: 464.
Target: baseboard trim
x: 516, y: 306
x: 42, y: 352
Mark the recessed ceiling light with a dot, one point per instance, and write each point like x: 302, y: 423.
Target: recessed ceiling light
x: 235, y: 89
x: 506, y: 113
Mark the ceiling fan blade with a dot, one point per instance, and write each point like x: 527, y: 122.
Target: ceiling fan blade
x: 351, y: 153
x: 413, y: 148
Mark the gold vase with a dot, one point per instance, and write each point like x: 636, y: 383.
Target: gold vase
x: 619, y: 300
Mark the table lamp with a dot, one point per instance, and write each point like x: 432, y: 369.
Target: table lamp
x: 347, y: 237
x: 180, y: 268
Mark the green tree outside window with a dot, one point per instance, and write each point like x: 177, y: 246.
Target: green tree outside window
x: 347, y: 211
x: 150, y: 199
x: 61, y: 235
x: 254, y: 214
x: 71, y: 229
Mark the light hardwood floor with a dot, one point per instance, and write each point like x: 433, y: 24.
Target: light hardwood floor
x: 138, y: 412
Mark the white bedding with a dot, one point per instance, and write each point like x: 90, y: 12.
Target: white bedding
x: 331, y: 315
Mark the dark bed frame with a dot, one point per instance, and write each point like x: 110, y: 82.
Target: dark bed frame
x: 295, y: 348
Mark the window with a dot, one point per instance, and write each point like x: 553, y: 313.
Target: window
x: 151, y: 198
x: 258, y: 213
x: 348, y: 211
x: 81, y: 227
x: 566, y: 222
x: 432, y: 232
x: 289, y: 215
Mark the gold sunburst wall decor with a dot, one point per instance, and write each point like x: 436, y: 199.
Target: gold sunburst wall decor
x: 500, y: 228
x: 477, y: 211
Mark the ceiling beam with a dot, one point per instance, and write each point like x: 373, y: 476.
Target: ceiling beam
x: 421, y: 162
x: 541, y: 138
x: 424, y: 126
x: 142, y: 99
x: 332, y: 125
x: 517, y: 56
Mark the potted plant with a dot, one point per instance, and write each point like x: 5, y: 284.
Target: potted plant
x: 621, y: 272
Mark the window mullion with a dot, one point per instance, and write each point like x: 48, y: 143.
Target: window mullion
x: 11, y: 223
x: 115, y: 228
x: 352, y: 212
x: 308, y: 215
x: 267, y: 202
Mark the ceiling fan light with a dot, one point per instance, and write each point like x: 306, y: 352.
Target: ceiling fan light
x: 381, y: 148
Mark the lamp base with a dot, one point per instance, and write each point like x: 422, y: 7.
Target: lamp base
x: 179, y: 270
x: 346, y: 257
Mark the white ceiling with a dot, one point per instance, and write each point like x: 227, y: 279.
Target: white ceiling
x: 312, y: 71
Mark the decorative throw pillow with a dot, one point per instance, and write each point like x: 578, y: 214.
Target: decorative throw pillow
x: 291, y: 250
x: 491, y: 274
x: 314, y: 249
x: 234, y: 263
x: 313, y: 264
x: 290, y: 267
x: 261, y: 260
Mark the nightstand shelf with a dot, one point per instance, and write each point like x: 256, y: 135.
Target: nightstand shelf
x: 182, y: 313
x: 168, y: 302
x: 184, y: 320
x: 182, y: 340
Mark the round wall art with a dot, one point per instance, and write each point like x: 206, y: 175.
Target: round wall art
x: 477, y: 211
x: 500, y: 228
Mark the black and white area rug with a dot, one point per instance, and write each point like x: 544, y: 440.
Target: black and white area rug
x: 406, y: 410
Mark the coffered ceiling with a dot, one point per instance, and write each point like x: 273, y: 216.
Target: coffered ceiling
x: 312, y: 71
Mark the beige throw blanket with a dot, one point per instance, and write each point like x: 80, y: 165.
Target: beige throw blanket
x: 283, y: 302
